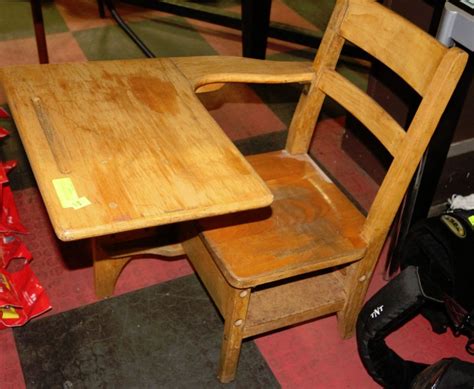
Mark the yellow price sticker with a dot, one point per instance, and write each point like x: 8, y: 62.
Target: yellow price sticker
x: 81, y: 202
x: 67, y: 194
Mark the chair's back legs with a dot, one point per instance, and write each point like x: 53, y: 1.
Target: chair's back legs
x: 357, y: 282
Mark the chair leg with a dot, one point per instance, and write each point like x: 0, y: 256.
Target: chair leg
x: 236, y: 314
x: 106, y: 270
x: 358, y: 280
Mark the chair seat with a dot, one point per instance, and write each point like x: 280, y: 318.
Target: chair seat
x: 310, y: 226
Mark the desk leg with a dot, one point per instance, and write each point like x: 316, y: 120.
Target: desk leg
x: 106, y: 269
x: 111, y: 254
x: 255, y: 24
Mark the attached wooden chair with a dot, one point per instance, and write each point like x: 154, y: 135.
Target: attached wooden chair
x: 312, y: 253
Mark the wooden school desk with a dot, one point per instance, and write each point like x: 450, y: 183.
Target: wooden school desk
x: 121, y: 146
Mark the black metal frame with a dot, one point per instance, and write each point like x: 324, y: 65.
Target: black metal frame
x: 124, y: 26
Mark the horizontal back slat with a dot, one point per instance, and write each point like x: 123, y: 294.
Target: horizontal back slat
x: 418, y: 135
x: 399, y: 44
x: 364, y: 108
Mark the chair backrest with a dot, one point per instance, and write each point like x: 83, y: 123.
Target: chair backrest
x: 428, y: 67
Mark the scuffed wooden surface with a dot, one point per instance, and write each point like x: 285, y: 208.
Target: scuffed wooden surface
x: 311, y: 225
x: 134, y: 140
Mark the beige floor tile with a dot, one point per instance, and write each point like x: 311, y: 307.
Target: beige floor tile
x: 281, y: 13
x: 225, y: 41
x: 61, y: 48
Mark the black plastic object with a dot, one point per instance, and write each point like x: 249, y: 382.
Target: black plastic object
x: 396, y: 303
x: 442, y: 248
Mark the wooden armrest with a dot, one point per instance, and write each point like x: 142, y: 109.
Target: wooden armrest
x: 202, y: 71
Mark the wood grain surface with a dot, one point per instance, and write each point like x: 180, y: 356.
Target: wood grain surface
x: 311, y: 225
x: 134, y: 140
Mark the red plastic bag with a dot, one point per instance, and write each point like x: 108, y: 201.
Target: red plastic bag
x: 13, y: 248
x: 3, y: 132
x: 5, y: 168
x: 4, y: 114
x: 21, y: 297
x: 9, y: 218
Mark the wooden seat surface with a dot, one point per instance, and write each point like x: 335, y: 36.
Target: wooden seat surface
x: 310, y: 225
x: 134, y: 140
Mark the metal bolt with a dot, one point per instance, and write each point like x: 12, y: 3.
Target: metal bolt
x: 362, y: 279
x: 238, y: 323
x: 243, y: 293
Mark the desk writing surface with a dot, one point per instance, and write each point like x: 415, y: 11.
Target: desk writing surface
x: 134, y: 141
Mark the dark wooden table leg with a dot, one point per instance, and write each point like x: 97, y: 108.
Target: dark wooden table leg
x: 255, y: 23
x: 100, y: 4
x: 39, y: 31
